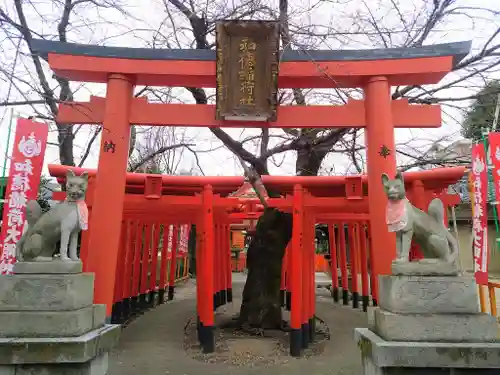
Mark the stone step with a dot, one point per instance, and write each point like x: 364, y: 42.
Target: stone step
x: 52, y: 323
x: 433, y: 327
x: 65, y: 350
x: 96, y: 366
x: 378, y: 354
x: 56, y: 292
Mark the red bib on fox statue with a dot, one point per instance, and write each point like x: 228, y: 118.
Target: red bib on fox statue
x: 83, y: 214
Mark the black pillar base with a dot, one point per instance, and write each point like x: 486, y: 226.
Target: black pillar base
x: 312, y: 329
x: 374, y: 301
x: 126, y: 308
x: 335, y: 294
x: 230, y: 295
x: 161, y: 296
x: 152, y: 298
x: 117, y: 313
x: 305, y: 336
x: 366, y: 301
x: 135, y: 304
x: 288, y: 301
x: 143, y: 301
x: 345, y: 297
x: 171, y: 292
x: 216, y: 300
x: 223, y: 297
x: 282, y: 298
x: 198, y: 330
x: 207, y: 338
x: 355, y: 300
x: 295, y: 342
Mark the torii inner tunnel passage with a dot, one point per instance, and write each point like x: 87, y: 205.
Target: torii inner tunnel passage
x: 203, y: 201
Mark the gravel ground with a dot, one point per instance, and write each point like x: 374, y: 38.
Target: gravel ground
x: 163, y: 341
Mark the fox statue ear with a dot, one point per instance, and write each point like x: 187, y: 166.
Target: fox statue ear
x: 385, y: 178
x: 85, y: 175
x: 399, y: 176
x: 70, y: 173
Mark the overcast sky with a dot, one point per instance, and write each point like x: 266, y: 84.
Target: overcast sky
x: 109, y: 27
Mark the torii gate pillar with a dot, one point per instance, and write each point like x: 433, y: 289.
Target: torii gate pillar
x: 380, y: 145
x: 109, y: 193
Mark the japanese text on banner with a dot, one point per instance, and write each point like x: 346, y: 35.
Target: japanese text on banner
x: 480, y: 218
x: 22, y: 186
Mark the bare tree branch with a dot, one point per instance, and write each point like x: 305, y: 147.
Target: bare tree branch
x: 331, y: 24
x: 157, y: 152
x: 89, y: 145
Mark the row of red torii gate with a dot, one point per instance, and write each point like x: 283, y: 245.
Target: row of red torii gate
x: 119, y: 200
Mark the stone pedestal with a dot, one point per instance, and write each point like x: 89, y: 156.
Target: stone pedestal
x: 429, y: 325
x: 49, y: 324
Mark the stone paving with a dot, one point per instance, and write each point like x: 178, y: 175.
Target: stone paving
x: 153, y: 343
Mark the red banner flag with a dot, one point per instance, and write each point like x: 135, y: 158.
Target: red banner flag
x: 182, y: 240
x: 480, y: 214
x: 494, y: 139
x: 22, y: 186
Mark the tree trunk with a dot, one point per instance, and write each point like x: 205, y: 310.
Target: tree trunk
x: 65, y: 138
x: 261, y: 305
x: 309, y: 160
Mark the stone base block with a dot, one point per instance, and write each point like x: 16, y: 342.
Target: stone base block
x: 99, y: 314
x: 56, y: 266
x: 46, y: 323
x: 381, y: 357
x: 56, y: 292
x: 59, y: 350
x: 435, y: 327
x: 425, y: 267
x: 96, y: 366
x: 428, y: 294
x: 369, y: 368
x: 51, y: 323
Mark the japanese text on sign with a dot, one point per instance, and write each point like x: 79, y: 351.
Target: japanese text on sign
x: 479, y: 209
x: 246, y: 72
x: 220, y: 82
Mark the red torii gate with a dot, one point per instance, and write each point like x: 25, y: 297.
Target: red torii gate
x: 181, y: 199
x: 124, y: 68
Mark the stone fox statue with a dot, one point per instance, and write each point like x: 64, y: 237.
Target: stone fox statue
x: 62, y: 223
x: 409, y: 223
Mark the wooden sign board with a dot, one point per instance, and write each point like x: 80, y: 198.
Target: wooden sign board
x: 247, y: 70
